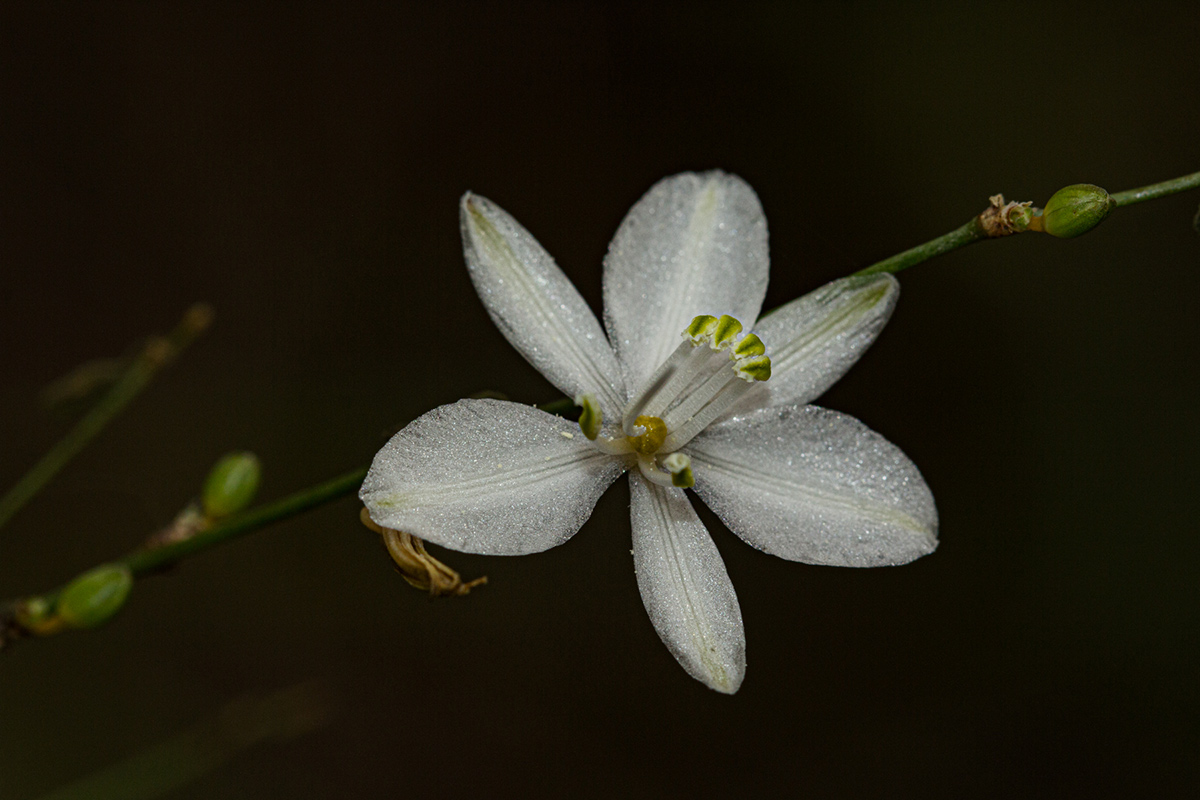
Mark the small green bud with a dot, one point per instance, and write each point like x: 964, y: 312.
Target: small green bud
x: 93, y: 597
x: 231, y: 485
x: 1019, y: 216
x: 1075, y: 210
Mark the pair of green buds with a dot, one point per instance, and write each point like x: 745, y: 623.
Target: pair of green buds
x: 92, y: 598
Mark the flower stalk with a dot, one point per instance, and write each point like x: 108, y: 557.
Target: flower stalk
x: 1000, y: 219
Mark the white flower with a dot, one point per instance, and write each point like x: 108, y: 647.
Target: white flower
x: 794, y: 480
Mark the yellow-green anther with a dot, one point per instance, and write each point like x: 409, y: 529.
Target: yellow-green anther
x: 726, y: 330
x: 93, y: 597
x: 231, y: 484
x: 680, y: 467
x: 701, y: 328
x: 754, y: 368
x: 750, y: 345
x: 1075, y: 210
x: 592, y: 417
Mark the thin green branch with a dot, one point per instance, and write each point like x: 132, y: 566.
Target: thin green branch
x: 154, y: 356
x: 187, y: 756
x: 962, y: 236
x: 996, y: 222
x: 1157, y: 190
x: 146, y: 561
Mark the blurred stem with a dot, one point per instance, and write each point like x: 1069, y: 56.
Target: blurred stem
x: 157, y: 353
x: 976, y: 231
x: 190, y: 754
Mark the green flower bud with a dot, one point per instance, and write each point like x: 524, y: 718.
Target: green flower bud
x: 93, y: 597
x: 231, y: 485
x: 1075, y: 210
x: 1019, y: 216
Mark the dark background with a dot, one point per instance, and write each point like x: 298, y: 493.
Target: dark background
x: 298, y: 167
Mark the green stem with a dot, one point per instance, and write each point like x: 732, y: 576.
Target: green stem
x: 974, y: 231
x: 157, y: 354
x: 959, y: 237
x: 145, y: 562
x: 184, y: 758
x: 1157, y: 190
x: 148, y: 560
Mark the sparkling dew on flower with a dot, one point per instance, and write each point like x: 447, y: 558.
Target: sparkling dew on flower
x: 679, y: 394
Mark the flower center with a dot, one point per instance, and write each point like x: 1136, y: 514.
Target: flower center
x: 691, y: 389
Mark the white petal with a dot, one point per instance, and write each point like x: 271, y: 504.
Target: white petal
x: 488, y: 476
x: 815, y: 339
x: 536, y: 307
x: 694, y: 244
x: 685, y: 587
x: 808, y: 484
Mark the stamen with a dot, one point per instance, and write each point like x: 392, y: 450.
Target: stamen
x: 652, y: 473
x: 592, y: 416
x: 750, y: 345
x: 685, y: 432
x: 652, y: 388
x: 727, y: 328
x: 754, y: 368
x: 689, y: 390
x: 714, y: 398
x: 591, y: 419
x: 680, y: 467
x: 701, y: 328
x: 700, y: 397
x: 676, y: 372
